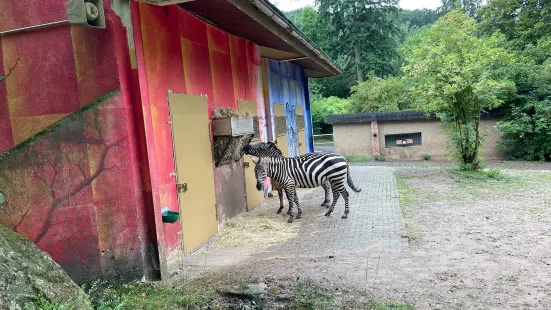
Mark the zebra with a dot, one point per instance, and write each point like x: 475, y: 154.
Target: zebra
x: 270, y: 149
x: 306, y: 172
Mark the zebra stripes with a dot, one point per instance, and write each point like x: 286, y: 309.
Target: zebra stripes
x: 307, y: 172
x: 270, y: 149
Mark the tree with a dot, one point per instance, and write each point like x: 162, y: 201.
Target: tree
x: 381, y: 95
x: 412, y: 19
x: 9, y: 71
x: 522, y: 22
x: 471, y: 7
x: 526, y: 125
x: 366, y: 32
x: 455, y: 75
x: 323, y: 107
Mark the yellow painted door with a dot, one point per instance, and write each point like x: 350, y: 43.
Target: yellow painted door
x: 254, y: 197
x: 281, y: 133
x: 194, y: 169
x: 301, y: 133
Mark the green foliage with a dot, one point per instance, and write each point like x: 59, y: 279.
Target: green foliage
x: 365, y: 32
x: 374, y: 305
x: 522, y: 22
x: 470, y: 7
x: 427, y: 156
x: 455, y: 75
x: 358, y: 159
x: 321, y: 108
x: 381, y: 95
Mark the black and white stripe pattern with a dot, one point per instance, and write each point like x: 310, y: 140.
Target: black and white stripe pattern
x: 270, y: 149
x: 307, y: 172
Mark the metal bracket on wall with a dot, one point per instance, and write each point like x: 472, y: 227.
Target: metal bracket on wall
x: 182, y: 188
x: 246, y: 164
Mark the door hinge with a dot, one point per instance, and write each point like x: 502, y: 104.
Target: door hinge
x: 182, y: 188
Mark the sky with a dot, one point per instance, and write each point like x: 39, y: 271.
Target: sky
x: 289, y: 5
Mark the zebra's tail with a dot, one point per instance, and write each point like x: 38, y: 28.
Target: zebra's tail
x: 349, y: 180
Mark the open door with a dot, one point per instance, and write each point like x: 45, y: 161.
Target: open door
x: 300, y: 129
x: 194, y: 169
x: 281, y: 128
x: 254, y: 197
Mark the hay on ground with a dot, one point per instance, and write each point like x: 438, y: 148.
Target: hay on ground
x: 219, y: 113
x: 253, y: 229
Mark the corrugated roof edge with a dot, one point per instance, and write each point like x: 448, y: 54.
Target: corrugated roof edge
x: 394, y: 116
x: 290, y: 27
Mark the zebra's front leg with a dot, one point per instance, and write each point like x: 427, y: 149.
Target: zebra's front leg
x: 290, y: 192
x: 280, y: 194
x: 326, y: 188
x: 299, y: 213
x: 335, y: 198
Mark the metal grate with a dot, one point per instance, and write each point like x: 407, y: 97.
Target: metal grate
x: 281, y: 125
x: 256, y: 136
x: 403, y: 139
x: 300, y: 122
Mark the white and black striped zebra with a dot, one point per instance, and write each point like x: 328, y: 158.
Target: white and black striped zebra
x: 306, y: 172
x: 270, y: 149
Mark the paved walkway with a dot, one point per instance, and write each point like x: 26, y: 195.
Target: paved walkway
x: 375, y: 218
x: 375, y: 225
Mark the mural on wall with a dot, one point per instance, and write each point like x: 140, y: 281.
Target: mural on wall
x: 186, y: 55
x: 57, y: 190
x: 292, y: 133
x: 287, y: 83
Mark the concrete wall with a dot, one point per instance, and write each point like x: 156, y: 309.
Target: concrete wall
x: 355, y: 139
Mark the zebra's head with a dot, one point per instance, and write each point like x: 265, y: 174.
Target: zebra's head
x: 263, y: 149
x: 259, y: 173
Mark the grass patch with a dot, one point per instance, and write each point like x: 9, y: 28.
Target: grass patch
x: 374, y: 305
x: 485, y: 174
x: 427, y: 156
x: 406, y: 194
x: 359, y: 159
x: 254, y: 229
x: 310, y: 296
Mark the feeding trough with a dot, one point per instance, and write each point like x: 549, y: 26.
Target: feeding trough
x: 169, y: 216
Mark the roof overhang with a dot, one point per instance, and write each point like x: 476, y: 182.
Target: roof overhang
x: 263, y: 24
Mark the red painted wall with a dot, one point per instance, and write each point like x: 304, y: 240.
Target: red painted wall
x: 77, y: 191
x: 176, y: 51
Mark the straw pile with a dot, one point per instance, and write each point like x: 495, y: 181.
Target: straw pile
x: 228, y: 112
x: 253, y: 229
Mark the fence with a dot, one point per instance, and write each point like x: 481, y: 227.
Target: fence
x: 323, y: 143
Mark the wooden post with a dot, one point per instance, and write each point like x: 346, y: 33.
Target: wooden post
x: 375, y: 139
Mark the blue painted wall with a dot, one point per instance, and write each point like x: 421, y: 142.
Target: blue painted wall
x: 288, y: 85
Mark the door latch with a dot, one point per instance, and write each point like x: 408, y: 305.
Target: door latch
x: 182, y: 188
x: 246, y: 164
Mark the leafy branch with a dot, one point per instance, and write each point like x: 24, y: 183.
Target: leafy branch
x: 10, y: 70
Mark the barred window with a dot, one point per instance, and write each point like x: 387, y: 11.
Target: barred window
x: 403, y: 139
x: 256, y: 136
x: 281, y: 125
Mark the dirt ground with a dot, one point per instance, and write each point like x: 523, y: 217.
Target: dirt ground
x: 470, y: 243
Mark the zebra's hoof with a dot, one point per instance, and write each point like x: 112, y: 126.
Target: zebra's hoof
x: 290, y: 220
x: 298, y: 216
x: 327, y: 213
x: 325, y: 204
x: 344, y: 217
x: 278, y: 211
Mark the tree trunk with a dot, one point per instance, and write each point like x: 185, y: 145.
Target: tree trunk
x: 477, y: 144
x: 357, y: 60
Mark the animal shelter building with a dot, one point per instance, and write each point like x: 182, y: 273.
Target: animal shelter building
x: 110, y: 160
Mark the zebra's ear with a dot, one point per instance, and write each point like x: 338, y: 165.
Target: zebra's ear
x: 254, y: 159
x: 274, y: 142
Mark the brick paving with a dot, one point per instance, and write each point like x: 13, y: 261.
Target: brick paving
x: 375, y: 220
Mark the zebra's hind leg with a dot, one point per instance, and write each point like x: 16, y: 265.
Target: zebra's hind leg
x: 345, y: 195
x: 327, y: 200
x: 335, y: 198
x: 299, y: 212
